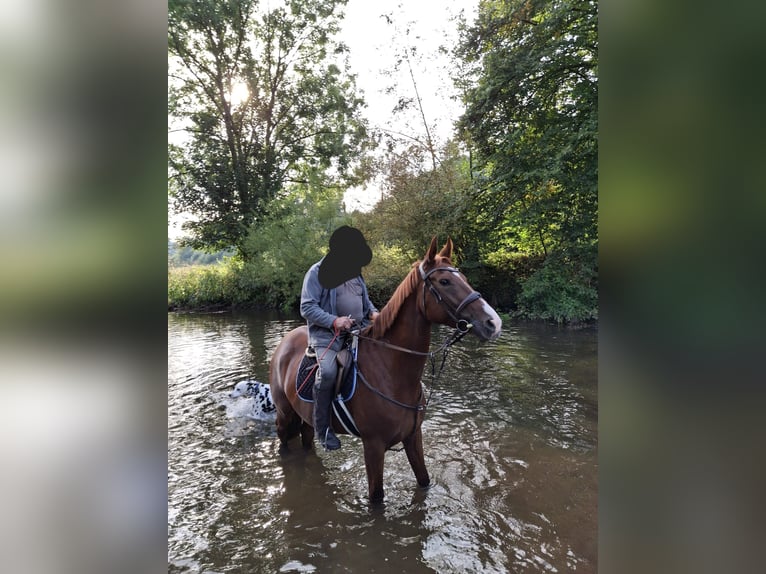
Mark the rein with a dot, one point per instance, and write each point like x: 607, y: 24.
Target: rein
x: 418, y: 407
x: 462, y: 326
x: 444, y: 348
x: 456, y: 335
x: 461, y: 330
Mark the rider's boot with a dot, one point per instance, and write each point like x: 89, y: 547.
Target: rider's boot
x: 323, y: 395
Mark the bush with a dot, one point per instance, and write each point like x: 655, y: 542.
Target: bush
x: 261, y: 283
x: 560, y: 291
x: 199, y: 287
x: 500, y: 276
x: 554, y: 289
x: 388, y: 267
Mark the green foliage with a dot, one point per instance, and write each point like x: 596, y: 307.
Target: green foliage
x: 420, y: 203
x: 389, y: 265
x: 561, y: 292
x: 181, y: 256
x: 528, y: 75
x: 280, y: 252
x: 296, y: 234
x: 531, y: 118
x: 298, y: 119
x: 226, y: 284
x: 196, y: 287
x: 500, y: 275
x: 518, y: 195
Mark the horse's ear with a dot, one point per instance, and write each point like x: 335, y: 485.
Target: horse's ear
x: 447, y: 249
x: 431, y: 254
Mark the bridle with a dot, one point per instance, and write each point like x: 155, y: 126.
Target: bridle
x: 462, y: 325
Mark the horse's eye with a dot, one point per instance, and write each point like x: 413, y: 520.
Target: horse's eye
x: 443, y: 281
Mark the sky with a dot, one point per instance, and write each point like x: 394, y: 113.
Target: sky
x: 374, y: 45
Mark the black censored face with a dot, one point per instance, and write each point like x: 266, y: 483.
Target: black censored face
x: 349, y: 252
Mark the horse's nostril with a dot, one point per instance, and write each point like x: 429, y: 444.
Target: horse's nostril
x: 494, y: 326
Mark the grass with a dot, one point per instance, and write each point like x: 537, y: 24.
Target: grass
x: 200, y: 286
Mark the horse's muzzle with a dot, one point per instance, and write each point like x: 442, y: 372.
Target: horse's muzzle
x: 487, y: 324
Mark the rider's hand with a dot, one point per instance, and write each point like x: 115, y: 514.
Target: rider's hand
x: 374, y: 315
x: 342, y: 323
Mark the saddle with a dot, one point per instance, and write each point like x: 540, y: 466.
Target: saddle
x: 345, y: 385
x: 345, y: 381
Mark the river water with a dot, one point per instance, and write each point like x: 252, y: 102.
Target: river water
x: 510, y: 440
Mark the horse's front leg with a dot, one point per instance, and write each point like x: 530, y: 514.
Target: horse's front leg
x: 307, y: 435
x: 374, y: 455
x: 413, y: 446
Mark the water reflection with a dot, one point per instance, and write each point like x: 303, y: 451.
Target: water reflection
x: 510, y: 441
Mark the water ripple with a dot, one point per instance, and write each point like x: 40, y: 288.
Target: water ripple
x: 510, y: 441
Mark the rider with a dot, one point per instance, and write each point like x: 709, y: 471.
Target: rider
x: 334, y: 298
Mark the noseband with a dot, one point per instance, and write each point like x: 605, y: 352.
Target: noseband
x: 462, y: 325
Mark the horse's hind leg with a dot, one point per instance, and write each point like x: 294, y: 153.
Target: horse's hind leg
x: 413, y: 446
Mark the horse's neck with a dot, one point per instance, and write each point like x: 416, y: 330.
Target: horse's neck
x: 393, y: 371
x: 410, y: 329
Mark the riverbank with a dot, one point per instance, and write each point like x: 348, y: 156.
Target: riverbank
x: 230, y: 286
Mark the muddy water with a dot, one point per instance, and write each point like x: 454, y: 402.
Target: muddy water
x: 510, y: 440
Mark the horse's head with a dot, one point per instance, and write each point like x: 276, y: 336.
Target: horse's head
x: 449, y: 299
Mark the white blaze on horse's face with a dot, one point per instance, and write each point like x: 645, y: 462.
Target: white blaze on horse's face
x: 496, y: 320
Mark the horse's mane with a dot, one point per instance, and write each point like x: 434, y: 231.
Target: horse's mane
x: 391, y: 310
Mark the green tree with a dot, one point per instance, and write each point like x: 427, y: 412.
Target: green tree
x: 529, y: 79
x: 421, y: 202
x: 294, y: 236
x: 265, y: 96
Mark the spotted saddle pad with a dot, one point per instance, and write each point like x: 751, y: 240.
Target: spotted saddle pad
x: 307, y: 371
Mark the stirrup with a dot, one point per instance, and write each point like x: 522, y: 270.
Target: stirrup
x: 330, y: 441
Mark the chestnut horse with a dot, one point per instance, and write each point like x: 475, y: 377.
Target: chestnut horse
x: 390, y: 404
